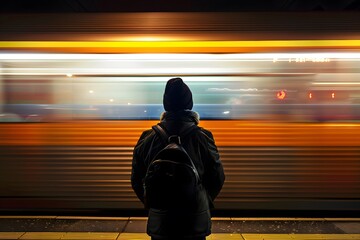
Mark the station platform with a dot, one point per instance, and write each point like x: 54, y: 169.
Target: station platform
x: 134, y: 228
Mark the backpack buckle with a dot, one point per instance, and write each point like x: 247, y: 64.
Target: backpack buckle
x: 174, y: 139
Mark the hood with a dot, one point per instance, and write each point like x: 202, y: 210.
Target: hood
x: 182, y: 116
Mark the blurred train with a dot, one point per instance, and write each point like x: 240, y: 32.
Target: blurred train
x: 283, y: 104
x: 297, y: 86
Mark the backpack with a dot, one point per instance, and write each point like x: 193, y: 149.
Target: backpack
x: 172, y: 180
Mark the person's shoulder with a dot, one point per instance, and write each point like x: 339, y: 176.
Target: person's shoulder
x: 147, y: 133
x: 144, y: 139
x: 204, y: 133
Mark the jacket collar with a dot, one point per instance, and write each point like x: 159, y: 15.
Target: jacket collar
x: 182, y: 116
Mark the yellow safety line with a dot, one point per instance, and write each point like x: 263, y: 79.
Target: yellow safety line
x: 300, y: 236
x: 277, y: 219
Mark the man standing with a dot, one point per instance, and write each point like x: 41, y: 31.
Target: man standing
x: 180, y: 222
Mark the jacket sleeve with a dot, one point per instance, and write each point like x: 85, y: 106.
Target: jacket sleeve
x: 138, y: 166
x: 214, y: 176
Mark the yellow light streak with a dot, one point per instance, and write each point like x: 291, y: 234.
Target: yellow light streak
x: 176, y: 46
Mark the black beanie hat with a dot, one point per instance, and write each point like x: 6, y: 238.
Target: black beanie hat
x: 177, y: 96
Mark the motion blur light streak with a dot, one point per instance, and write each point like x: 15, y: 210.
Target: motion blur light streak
x: 235, y: 133
x: 75, y: 95
x: 177, y: 46
x: 336, y: 83
x: 281, y: 95
x: 353, y: 56
x: 246, y: 85
x: 114, y: 65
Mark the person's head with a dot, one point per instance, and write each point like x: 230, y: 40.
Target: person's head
x: 177, y: 96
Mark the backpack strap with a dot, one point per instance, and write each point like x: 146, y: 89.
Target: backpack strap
x: 165, y: 137
x: 161, y: 132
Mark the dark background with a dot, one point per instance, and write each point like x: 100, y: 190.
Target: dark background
x: 59, y: 6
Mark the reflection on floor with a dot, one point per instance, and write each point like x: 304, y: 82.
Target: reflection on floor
x: 143, y: 236
x: 134, y: 228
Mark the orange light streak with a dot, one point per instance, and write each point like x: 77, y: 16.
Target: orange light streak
x: 226, y: 133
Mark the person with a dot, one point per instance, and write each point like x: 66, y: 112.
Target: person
x: 178, y: 115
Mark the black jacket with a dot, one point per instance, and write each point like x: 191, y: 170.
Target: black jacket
x: 203, y: 151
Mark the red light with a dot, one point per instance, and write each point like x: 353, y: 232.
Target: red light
x: 281, y: 95
x: 310, y: 95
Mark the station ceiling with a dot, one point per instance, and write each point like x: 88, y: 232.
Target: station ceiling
x: 59, y: 6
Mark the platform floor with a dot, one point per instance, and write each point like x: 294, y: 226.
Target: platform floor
x: 134, y: 228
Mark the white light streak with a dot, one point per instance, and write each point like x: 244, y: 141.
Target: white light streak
x: 178, y: 57
x: 336, y: 83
